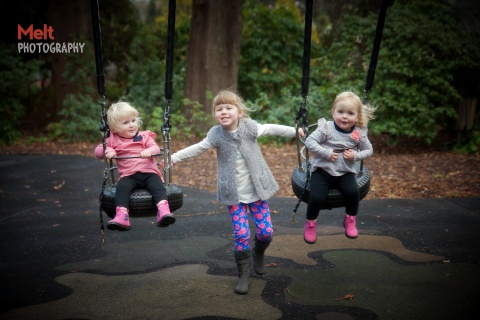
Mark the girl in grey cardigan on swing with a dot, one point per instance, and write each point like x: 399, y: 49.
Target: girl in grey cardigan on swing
x: 336, y: 145
x: 244, y: 181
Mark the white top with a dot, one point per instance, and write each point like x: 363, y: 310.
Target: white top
x: 246, y: 190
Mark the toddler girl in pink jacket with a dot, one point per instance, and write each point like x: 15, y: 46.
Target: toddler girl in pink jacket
x: 135, y: 173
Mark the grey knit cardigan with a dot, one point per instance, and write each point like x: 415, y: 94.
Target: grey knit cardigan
x: 245, y: 141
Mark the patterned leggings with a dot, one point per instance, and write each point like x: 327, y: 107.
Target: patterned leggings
x: 260, y: 214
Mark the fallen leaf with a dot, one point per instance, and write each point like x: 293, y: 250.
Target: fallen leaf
x: 58, y: 187
x: 347, y: 297
x: 273, y: 264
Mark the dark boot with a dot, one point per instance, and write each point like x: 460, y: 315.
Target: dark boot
x: 242, y: 258
x: 258, y: 254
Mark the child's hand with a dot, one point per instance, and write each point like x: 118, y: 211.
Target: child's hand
x: 301, y: 133
x: 334, y: 156
x: 349, y: 155
x: 162, y: 164
x: 110, y: 154
x: 146, y: 154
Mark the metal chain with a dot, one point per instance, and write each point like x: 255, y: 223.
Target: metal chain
x: 167, y: 159
x: 302, y: 114
x: 104, y: 129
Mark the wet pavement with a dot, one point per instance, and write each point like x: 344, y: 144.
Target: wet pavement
x: 413, y: 259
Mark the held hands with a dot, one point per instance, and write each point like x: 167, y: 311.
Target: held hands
x: 162, y: 164
x: 348, y: 154
x: 301, y: 133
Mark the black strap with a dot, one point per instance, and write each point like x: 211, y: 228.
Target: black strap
x: 307, y: 40
x: 376, y: 47
x: 97, y: 38
x: 170, y: 43
x: 166, y: 126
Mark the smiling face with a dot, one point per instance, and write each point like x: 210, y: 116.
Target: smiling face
x: 345, y: 114
x: 228, y: 115
x: 126, y: 126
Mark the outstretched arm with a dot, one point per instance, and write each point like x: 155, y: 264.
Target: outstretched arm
x: 277, y: 130
x: 192, y: 151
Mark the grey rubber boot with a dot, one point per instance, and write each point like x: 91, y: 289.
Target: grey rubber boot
x: 258, y: 254
x: 242, y: 258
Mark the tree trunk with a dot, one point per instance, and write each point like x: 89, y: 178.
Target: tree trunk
x: 466, y: 113
x: 214, y: 49
x: 68, y: 19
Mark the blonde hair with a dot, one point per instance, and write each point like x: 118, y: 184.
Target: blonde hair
x: 230, y: 97
x: 365, y: 111
x: 118, y: 110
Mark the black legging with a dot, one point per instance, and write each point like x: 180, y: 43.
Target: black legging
x: 139, y: 180
x: 321, y: 182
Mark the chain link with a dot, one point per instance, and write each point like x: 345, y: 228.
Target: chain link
x: 105, y: 133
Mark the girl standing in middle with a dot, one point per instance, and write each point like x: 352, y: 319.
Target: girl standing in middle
x: 244, y: 180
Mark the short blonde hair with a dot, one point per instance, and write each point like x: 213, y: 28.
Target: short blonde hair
x: 118, y: 110
x: 365, y: 111
x: 230, y: 97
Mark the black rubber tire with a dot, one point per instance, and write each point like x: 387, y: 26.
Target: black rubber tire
x: 335, y: 198
x: 141, y: 201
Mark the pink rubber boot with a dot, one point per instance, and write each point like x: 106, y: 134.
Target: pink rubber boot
x: 121, y: 221
x: 310, y: 233
x: 164, y: 217
x: 350, y: 228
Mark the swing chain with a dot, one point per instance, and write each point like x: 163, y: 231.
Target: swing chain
x: 367, y: 93
x: 166, y: 126
x: 167, y: 159
x: 302, y: 114
x: 104, y: 129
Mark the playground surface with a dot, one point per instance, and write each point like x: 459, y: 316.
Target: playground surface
x: 413, y: 259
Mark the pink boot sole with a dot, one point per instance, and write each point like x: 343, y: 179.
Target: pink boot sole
x: 164, y: 217
x: 117, y: 226
x: 121, y: 222
x: 166, y: 220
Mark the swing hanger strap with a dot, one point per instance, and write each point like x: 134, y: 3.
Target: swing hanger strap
x: 307, y: 40
x: 166, y: 126
x: 375, y: 48
x: 302, y: 113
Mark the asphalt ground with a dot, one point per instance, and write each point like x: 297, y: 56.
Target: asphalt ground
x: 413, y: 259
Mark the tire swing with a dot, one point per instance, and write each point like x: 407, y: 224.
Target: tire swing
x: 301, y: 173
x: 141, y: 202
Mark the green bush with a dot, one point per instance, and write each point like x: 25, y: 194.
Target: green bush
x: 80, y: 115
x: 18, y: 86
x: 414, y: 84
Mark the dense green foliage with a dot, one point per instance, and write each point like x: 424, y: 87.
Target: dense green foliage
x: 80, y: 115
x: 18, y: 88
x: 425, y: 57
x: 428, y: 62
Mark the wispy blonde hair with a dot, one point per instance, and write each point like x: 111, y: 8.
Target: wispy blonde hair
x: 230, y: 97
x: 118, y: 110
x: 365, y: 111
